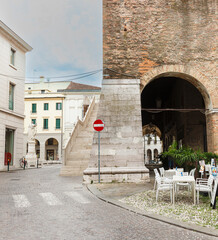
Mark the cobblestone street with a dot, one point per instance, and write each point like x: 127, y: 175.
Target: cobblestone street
x: 39, y: 204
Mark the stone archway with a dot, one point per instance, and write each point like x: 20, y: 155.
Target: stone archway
x: 200, y: 82
x: 51, y: 149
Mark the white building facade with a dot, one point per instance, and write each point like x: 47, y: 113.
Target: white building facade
x: 12, y: 78
x: 152, y: 148
x: 55, y: 107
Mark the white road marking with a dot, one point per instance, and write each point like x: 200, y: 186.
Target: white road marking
x: 50, y: 199
x: 77, y: 197
x: 98, y: 125
x: 21, y: 201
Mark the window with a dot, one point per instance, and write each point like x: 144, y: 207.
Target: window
x: 58, y: 106
x: 42, y: 91
x: 50, y: 141
x: 12, y: 59
x: 45, y: 106
x: 11, y: 96
x: 34, y: 121
x: 33, y: 107
x: 45, y: 123
x: 58, y: 123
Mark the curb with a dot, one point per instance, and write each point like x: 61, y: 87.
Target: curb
x: 177, y: 223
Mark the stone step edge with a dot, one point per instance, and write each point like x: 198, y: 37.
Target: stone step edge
x: 116, y: 170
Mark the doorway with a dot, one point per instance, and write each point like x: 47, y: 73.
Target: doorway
x: 177, y: 108
x: 9, y: 144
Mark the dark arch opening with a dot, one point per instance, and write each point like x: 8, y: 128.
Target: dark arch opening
x: 51, y: 149
x: 177, y: 108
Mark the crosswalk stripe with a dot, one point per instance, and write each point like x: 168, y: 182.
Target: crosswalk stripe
x: 50, y: 199
x: 21, y: 201
x: 77, y: 197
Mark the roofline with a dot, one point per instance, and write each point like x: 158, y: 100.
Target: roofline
x: 79, y: 90
x: 47, y: 82
x: 15, y: 36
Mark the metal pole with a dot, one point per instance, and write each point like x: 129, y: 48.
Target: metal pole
x: 98, y: 157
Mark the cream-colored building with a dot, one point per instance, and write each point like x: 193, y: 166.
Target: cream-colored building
x: 12, y: 78
x: 55, y: 107
x: 152, y: 148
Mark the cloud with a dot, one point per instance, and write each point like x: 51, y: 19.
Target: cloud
x: 66, y: 35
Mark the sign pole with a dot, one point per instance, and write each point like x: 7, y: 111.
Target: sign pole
x: 98, y: 157
x: 98, y: 125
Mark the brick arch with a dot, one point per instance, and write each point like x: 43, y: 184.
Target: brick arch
x: 200, y: 81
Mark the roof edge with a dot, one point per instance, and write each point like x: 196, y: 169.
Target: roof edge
x: 15, y: 36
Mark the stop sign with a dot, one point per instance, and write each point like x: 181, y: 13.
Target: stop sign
x: 98, y: 125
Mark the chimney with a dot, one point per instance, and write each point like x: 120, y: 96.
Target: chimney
x: 42, y: 79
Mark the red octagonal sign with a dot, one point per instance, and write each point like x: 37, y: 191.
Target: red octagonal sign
x: 98, y: 125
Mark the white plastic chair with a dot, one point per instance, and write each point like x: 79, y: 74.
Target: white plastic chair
x: 192, y: 172
x: 204, y: 185
x: 163, y: 179
x: 163, y: 186
x: 156, y: 174
x: 161, y: 171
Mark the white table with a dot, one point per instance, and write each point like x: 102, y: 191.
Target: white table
x: 182, y: 179
x: 169, y: 173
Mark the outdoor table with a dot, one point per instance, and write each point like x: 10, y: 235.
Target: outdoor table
x: 182, y: 179
x: 169, y: 173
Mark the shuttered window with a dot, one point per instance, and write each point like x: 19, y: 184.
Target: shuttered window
x: 58, y: 106
x: 34, y: 108
x: 11, y: 96
x: 45, y: 106
x: 45, y: 123
x: 58, y: 123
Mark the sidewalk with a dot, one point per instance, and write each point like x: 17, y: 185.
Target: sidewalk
x: 113, y: 192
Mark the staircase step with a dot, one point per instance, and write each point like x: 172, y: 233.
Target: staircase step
x: 78, y: 158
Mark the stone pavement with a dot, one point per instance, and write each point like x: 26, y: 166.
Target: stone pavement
x: 39, y: 204
x: 113, y: 192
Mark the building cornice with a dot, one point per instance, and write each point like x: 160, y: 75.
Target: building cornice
x: 12, y: 34
x: 11, y: 113
x: 43, y: 98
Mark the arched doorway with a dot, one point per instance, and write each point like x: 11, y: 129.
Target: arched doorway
x: 152, y: 141
x: 177, y: 107
x: 149, y: 155
x: 37, y: 144
x: 155, y: 154
x: 51, y: 149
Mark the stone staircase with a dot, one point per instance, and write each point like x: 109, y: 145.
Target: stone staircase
x: 78, y: 148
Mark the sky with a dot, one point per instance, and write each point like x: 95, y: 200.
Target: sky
x: 66, y: 36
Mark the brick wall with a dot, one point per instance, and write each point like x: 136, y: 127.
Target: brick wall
x: 139, y: 35
x: 144, y: 38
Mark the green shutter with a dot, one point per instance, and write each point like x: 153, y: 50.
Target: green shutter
x: 45, y: 125
x: 34, y: 108
x: 58, y: 123
x: 58, y: 106
x: 11, y: 97
x: 45, y: 106
x: 34, y: 121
